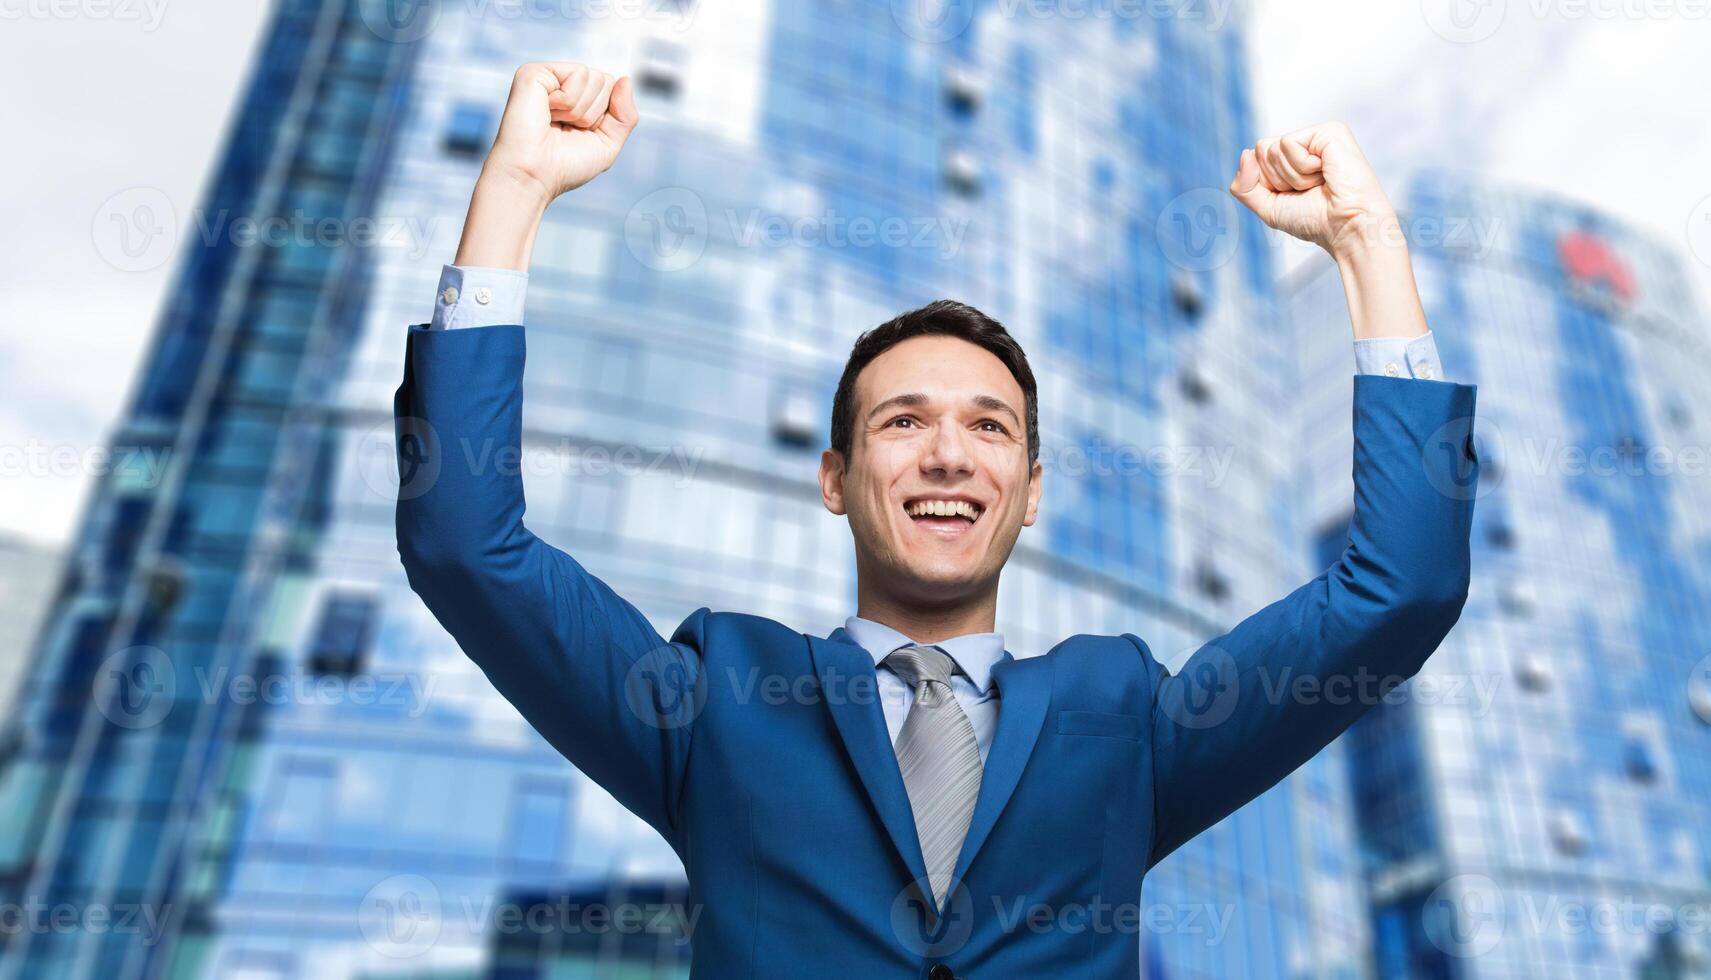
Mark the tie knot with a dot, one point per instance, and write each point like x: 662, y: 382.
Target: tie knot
x: 918, y: 664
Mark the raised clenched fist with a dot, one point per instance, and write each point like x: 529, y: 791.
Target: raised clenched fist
x: 1315, y: 184
x: 564, y: 125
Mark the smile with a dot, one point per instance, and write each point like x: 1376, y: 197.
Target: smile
x: 948, y: 516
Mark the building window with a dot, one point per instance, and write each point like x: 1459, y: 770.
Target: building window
x: 1186, y: 295
x: 1500, y: 535
x: 1194, y: 385
x: 340, y: 644
x: 1518, y: 599
x: 540, y: 819
x: 1533, y: 673
x: 1211, y: 582
x: 961, y: 172
x: 467, y: 130
x: 1679, y: 414
x: 795, y: 420
x: 661, y: 71
x: 963, y: 92
x: 1638, y: 761
x: 1567, y: 833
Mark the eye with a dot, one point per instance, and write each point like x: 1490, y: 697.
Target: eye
x: 999, y: 426
x: 900, y: 418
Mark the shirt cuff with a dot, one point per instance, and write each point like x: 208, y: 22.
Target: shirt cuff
x: 1399, y: 357
x: 478, y: 296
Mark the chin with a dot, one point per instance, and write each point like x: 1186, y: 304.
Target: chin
x: 942, y: 575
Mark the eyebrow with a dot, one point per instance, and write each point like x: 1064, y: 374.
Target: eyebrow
x: 915, y: 399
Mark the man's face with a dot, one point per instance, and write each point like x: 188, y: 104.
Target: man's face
x: 938, y: 420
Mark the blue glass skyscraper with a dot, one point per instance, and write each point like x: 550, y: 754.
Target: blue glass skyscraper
x: 242, y: 719
x: 1538, y: 801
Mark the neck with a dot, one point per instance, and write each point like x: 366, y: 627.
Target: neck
x: 929, y: 623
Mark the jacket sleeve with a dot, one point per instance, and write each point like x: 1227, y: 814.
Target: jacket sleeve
x: 580, y: 663
x: 1252, y: 705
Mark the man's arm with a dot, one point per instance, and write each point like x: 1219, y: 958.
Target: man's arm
x: 583, y: 665
x: 1252, y: 705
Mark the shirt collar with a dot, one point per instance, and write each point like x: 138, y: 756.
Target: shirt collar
x: 975, y: 653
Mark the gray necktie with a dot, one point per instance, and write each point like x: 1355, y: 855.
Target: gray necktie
x: 940, y: 760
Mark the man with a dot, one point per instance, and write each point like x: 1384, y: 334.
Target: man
x: 915, y: 781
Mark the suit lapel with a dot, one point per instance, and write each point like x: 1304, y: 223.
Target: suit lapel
x: 1024, y: 689
x: 843, y: 664
x: 1024, y: 693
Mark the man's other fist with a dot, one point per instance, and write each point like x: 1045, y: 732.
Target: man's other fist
x: 563, y: 126
x: 1315, y: 184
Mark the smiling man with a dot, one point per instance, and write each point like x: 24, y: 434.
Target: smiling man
x: 919, y: 782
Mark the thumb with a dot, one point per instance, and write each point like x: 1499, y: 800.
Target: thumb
x: 621, y: 116
x: 1250, y: 187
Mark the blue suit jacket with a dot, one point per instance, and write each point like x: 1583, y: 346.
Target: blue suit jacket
x: 761, y: 753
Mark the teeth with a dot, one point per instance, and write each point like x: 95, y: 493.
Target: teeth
x: 944, y: 508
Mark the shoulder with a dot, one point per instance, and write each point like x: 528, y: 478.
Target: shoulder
x: 732, y: 633
x: 1091, y: 662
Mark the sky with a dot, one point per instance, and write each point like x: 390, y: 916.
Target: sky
x: 1591, y: 99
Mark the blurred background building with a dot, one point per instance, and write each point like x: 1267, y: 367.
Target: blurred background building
x: 239, y: 716
x: 1540, y: 803
x: 239, y: 726
x: 28, y: 571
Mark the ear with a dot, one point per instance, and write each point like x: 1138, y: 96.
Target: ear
x: 1034, y: 480
x: 832, y: 481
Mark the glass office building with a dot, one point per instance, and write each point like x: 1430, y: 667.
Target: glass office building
x: 27, y: 571
x: 1540, y: 803
x: 242, y: 720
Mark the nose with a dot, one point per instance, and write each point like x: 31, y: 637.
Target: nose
x: 947, y: 452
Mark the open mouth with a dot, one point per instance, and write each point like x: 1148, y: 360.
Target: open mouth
x: 943, y: 515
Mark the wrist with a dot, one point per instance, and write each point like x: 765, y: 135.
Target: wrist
x: 1378, y: 283
x: 505, y: 212
x: 1367, y: 238
x: 515, y: 187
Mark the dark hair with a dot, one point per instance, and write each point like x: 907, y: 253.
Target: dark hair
x: 941, y: 317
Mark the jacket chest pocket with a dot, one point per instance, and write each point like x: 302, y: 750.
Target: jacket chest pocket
x: 1099, y: 723
x: 1110, y: 755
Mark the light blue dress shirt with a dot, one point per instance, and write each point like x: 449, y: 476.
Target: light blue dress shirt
x: 478, y: 296
x: 975, y: 655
